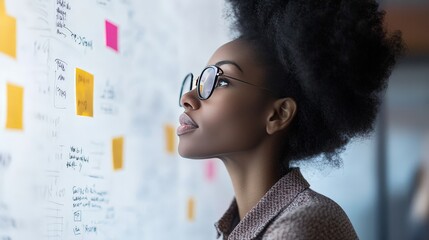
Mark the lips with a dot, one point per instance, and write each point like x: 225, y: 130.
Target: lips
x: 186, y: 124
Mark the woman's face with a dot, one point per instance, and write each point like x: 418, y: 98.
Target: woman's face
x: 233, y: 119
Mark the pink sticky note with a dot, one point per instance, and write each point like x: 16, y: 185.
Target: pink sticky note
x: 112, y: 36
x: 209, y: 169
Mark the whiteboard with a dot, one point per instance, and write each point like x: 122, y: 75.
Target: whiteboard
x: 88, y: 111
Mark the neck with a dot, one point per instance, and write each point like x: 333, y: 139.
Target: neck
x: 252, y: 175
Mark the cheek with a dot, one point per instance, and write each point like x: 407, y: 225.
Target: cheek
x: 232, y: 123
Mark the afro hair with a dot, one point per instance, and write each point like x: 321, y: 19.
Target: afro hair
x: 333, y: 57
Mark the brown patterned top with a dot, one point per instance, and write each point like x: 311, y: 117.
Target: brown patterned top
x: 289, y: 210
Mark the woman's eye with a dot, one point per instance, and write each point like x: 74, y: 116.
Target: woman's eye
x: 222, y: 82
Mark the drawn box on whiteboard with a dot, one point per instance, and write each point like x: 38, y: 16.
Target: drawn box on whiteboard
x: 78, y: 216
x: 84, y: 93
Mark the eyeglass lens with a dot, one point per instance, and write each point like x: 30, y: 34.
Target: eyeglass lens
x: 207, y: 81
x: 186, y: 86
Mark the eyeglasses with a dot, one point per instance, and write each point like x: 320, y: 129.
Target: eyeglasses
x: 207, y: 82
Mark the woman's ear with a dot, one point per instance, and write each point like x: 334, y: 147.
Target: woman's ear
x: 281, y: 114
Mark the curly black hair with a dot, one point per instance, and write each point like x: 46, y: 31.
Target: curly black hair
x: 333, y: 57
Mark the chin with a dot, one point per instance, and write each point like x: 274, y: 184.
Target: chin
x: 186, y: 153
x: 192, y: 153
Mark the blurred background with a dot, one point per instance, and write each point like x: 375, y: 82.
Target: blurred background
x: 138, y: 52
x: 383, y: 185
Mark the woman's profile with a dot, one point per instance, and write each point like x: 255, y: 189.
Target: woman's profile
x: 301, y: 80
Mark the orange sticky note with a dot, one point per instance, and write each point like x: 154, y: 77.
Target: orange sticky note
x: 2, y: 7
x: 7, y: 35
x: 191, y: 209
x: 118, y: 153
x: 170, y: 138
x: 15, y: 106
x: 84, y: 93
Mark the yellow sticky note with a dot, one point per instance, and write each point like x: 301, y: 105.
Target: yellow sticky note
x: 15, y: 106
x: 191, y: 209
x: 169, y: 138
x: 118, y: 153
x: 7, y: 35
x: 2, y: 7
x: 84, y: 93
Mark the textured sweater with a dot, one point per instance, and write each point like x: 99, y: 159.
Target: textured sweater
x: 289, y: 210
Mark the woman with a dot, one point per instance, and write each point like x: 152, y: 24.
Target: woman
x: 302, y: 79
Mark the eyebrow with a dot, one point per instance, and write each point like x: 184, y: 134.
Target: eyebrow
x: 220, y: 63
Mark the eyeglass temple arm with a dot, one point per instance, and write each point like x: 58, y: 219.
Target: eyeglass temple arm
x: 222, y: 74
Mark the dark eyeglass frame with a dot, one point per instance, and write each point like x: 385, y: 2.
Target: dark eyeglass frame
x: 218, y: 72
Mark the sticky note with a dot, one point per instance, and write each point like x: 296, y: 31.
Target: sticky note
x: 118, y: 153
x: 15, y: 106
x: 7, y: 35
x: 84, y: 93
x: 191, y: 209
x: 111, y: 35
x: 170, y: 138
x: 2, y: 7
x: 209, y: 169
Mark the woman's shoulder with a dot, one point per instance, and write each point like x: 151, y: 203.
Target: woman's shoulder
x: 309, y: 216
x: 311, y: 199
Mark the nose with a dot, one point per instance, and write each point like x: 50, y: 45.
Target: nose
x: 190, y: 100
